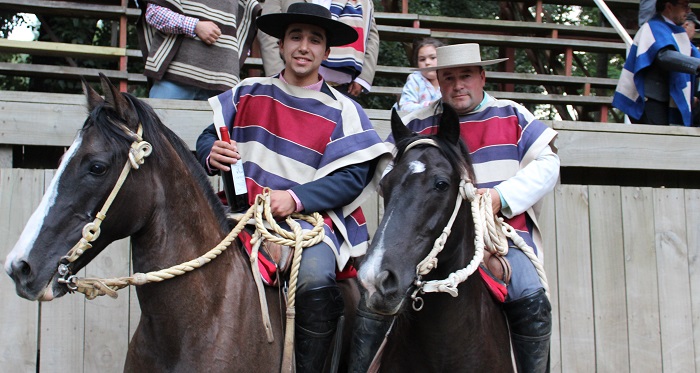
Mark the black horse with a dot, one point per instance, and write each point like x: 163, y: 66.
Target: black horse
x: 440, y: 333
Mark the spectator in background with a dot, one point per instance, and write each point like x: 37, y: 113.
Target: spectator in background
x: 194, y: 52
x: 647, y: 8
x: 691, y: 24
x: 350, y: 68
x: 657, y: 83
x: 421, y: 87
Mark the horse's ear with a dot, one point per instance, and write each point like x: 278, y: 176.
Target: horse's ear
x: 120, y: 103
x: 449, y: 128
x: 93, y: 98
x: 398, y: 129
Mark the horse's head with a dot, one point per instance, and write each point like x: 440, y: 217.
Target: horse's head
x: 419, y: 197
x: 86, y: 176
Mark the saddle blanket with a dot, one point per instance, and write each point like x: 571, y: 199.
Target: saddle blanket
x: 268, y: 268
x: 497, y: 287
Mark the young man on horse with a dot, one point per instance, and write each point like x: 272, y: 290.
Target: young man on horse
x: 513, y: 158
x: 315, y: 148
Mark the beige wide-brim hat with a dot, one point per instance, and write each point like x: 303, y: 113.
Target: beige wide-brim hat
x: 459, y: 55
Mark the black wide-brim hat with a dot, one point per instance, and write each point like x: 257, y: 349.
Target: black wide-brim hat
x: 337, y: 33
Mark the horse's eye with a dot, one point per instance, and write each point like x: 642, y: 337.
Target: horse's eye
x: 442, y: 185
x: 98, y: 169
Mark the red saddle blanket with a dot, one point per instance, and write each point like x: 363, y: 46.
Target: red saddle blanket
x: 268, y: 268
x: 497, y: 287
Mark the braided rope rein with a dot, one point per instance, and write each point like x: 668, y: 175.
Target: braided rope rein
x: 490, y: 233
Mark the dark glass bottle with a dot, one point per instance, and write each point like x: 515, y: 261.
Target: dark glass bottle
x: 234, y: 180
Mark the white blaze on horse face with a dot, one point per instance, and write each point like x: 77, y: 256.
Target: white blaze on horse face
x: 36, y: 221
x: 416, y: 167
x: 371, y: 266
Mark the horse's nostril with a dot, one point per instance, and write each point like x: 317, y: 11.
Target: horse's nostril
x: 387, y: 283
x: 21, y: 268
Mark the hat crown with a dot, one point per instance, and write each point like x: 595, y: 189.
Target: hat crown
x: 458, y: 54
x: 309, y: 9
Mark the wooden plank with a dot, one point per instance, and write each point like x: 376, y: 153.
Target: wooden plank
x: 20, y: 193
x: 398, y: 33
x: 107, y: 319
x: 607, y: 267
x: 62, y: 324
x: 641, y: 280
x: 45, y: 48
x: 627, y: 150
x: 52, y: 71
x: 524, y: 42
x: 548, y: 227
x: 69, y: 8
x: 518, y: 27
x: 623, y: 128
x: 692, y: 218
x: 5, y: 156
x: 674, y: 283
x: 574, y: 270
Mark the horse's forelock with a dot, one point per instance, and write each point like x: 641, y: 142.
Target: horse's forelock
x: 105, y: 118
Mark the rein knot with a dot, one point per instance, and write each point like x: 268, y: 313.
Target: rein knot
x: 138, y: 152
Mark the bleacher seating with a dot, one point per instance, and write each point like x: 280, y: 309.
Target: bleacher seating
x: 558, y: 87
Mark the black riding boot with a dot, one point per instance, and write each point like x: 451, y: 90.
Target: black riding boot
x: 530, y: 321
x: 317, y: 313
x: 367, y: 335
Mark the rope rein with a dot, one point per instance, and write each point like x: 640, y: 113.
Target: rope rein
x: 490, y: 233
x: 260, y: 211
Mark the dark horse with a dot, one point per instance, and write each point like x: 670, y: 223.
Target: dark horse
x: 208, y: 320
x: 467, y: 333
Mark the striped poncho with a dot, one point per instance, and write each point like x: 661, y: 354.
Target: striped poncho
x: 291, y: 136
x: 350, y: 58
x: 650, y: 39
x: 177, y: 58
x: 502, y: 138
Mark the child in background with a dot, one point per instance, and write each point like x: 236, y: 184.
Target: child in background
x: 421, y: 88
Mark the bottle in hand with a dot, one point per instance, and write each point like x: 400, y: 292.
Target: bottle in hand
x: 234, y: 180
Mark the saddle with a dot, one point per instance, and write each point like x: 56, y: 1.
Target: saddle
x: 496, y: 272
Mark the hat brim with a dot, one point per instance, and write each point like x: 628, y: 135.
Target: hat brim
x: 479, y: 63
x: 276, y: 24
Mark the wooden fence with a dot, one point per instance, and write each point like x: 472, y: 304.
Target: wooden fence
x: 621, y: 261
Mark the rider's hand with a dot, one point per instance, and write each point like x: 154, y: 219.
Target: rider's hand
x: 495, y: 199
x: 207, y: 31
x: 354, y: 89
x: 282, y: 203
x: 224, y: 154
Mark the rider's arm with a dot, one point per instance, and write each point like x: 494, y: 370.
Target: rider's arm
x: 205, y: 142
x: 530, y: 184
x: 335, y: 190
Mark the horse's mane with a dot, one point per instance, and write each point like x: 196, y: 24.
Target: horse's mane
x: 104, y: 117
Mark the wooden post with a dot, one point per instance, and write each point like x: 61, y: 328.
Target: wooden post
x: 538, y: 12
x: 604, y: 114
x: 122, y: 44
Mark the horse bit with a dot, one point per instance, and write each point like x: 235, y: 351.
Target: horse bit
x: 138, y: 151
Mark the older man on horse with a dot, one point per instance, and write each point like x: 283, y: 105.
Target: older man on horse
x: 315, y: 148
x: 513, y: 159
